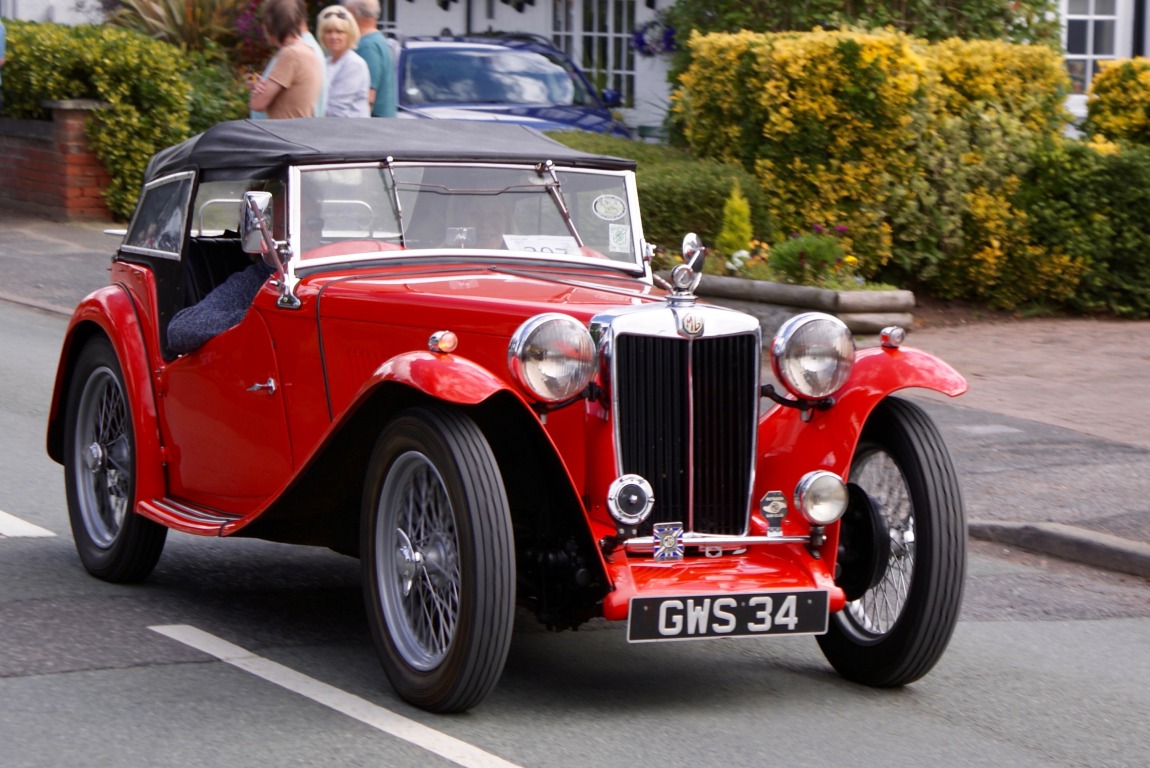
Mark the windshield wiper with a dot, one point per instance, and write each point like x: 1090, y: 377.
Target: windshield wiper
x: 556, y: 191
x: 395, y: 200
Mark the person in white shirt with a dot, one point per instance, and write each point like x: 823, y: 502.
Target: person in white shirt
x: 348, y: 79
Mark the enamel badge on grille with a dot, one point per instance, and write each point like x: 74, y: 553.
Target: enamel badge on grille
x: 692, y: 324
x: 668, y: 541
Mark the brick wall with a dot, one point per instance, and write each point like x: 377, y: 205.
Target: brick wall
x: 46, y: 166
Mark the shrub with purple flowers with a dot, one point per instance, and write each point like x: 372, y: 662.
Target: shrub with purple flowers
x: 252, y: 48
x: 654, y: 37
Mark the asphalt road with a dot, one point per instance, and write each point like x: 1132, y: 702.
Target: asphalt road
x: 1047, y: 667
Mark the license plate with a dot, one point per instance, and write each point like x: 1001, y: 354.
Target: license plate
x: 695, y: 617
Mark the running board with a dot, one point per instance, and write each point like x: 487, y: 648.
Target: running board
x: 185, y: 517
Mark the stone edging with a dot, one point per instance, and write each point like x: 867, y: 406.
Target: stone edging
x: 862, y: 311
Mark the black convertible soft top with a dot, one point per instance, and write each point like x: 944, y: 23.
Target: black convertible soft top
x: 254, y: 148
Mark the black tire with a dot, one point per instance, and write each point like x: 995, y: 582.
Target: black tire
x: 897, y: 631
x: 115, y: 544
x: 438, y: 560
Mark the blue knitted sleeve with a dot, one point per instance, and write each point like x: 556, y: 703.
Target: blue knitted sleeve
x: 220, y: 310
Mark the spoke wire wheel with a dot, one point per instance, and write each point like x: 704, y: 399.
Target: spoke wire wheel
x: 418, y: 562
x: 114, y: 543
x: 103, y: 476
x: 874, y: 614
x: 438, y: 559
x: 898, y: 629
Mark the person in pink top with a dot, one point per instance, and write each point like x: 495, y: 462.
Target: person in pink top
x: 291, y: 87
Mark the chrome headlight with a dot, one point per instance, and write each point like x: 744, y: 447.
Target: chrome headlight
x: 821, y: 496
x: 812, y: 355
x: 552, y: 357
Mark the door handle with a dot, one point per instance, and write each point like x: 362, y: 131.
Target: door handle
x: 268, y: 386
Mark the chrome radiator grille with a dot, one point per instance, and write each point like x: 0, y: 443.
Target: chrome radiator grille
x: 686, y: 416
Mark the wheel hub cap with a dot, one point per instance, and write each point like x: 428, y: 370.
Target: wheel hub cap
x: 409, y: 563
x: 95, y: 458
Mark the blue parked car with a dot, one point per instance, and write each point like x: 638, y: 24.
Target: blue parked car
x: 513, y: 79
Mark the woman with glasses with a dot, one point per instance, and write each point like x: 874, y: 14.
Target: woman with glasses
x: 348, y: 79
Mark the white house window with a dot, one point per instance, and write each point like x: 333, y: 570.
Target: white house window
x: 1091, y: 36
x: 597, y: 35
x: 1093, y: 31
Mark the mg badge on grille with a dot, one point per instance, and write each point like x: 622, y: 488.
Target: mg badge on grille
x: 668, y: 541
x: 692, y: 324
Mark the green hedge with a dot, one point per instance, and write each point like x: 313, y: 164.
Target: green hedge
x: 155, y: 94
x: 1091, y: 205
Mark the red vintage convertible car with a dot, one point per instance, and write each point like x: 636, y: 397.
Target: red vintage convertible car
x: 461, y: 369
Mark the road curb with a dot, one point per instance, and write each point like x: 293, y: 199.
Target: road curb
x: 41, y: 305
x: 1069, y: 542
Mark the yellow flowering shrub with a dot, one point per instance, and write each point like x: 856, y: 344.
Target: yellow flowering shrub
x: 916, y: 148
x: 1118, y: 106
x: 1027, y: 81
x: 993, y: 105
x: 825, y: 120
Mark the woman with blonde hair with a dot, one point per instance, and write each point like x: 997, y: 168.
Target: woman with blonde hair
x: 348, y: 80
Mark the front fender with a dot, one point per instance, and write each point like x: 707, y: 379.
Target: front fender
x: 111, y: 312
x: 790, y: 447
x: 444, y: 377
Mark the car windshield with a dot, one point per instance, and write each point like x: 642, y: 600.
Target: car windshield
x: 571, y: 213
x: 498, y: 76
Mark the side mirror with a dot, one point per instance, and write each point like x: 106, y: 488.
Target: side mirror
x: 256, y: 227
x: 611, y: 98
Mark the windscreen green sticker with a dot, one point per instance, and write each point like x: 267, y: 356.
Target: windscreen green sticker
x: 620, y: 235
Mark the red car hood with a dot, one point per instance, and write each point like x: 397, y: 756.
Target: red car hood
x: 489, y: 300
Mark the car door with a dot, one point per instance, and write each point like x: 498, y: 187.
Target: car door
x: 223, y: 418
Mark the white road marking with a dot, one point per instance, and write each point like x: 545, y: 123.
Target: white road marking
x: 13, y: 527
x: 988, y: 429
x: 448, y: 747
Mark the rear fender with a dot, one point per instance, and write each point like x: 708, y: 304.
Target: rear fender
x: 110, y: 312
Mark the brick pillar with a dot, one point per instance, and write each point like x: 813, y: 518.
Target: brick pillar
x: 47, y: 167
x: 83, y: 175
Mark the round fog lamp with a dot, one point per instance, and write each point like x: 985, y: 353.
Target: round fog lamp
x: 630, y: 499
x: 822, y: 497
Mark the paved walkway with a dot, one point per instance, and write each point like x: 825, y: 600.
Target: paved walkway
x: 1058, y: 410
x: 1089, y: 496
